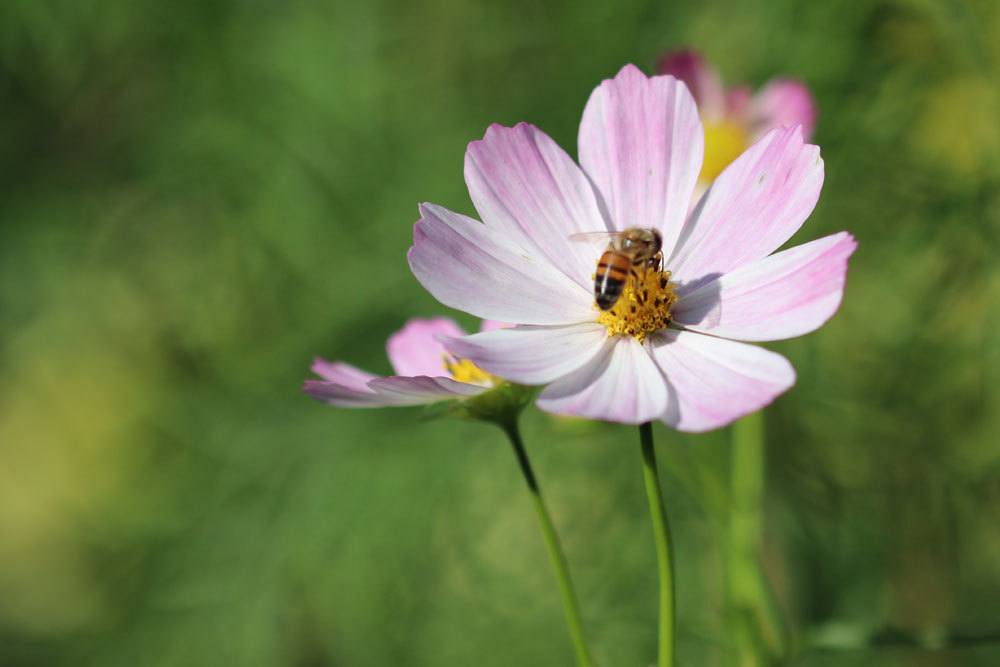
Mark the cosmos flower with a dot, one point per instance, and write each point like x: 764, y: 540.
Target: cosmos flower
x: 425, y: 372
x: 735, y: 118
x: 670, y: 348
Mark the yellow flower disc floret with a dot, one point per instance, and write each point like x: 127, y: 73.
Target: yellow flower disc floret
x: 643, y: 307
x: 724, y: 142
x: 463, y: 370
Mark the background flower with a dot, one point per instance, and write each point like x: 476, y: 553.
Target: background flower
x: 641, y: 147
x: 735, y: 118
x: 425, y: 371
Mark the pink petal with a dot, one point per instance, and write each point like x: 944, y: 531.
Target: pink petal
x: 642, y: 144
x: 393, y: 391
x: 526, y: 186
x: 420, y: 390
x: 753, y: 207
x: 738, y: 104
x: 416, y: 350
x: 341, y: 373
x: 620, y: 384
x: 471, y: 267
x: 784, y: 102
x: 787, y: 294
x: 493, y: 325
x: 342, y: 395
x: 715, y: 381
x: 700, y: 77
x: 532, y: 355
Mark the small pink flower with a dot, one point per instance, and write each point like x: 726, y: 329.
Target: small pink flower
x: 735, y: 118
x: 669, y: 348
x: 425, y: 371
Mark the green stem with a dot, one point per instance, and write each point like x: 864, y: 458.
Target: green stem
x: 661, y: 534
x: 571, y: 606
x: 749, y: 592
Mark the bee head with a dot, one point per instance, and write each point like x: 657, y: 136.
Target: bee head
x: 657, y: 240
x: 643, y: 238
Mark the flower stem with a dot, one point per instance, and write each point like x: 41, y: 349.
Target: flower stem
x: 570, y: 604
x: 661, y: 534
x: 750, y: 596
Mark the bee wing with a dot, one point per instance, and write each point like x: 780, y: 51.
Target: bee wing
x: 597, y: 241
x: 594, y: 237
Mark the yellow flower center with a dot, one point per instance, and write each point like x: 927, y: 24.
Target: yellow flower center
x: 724, y: 142
x: 643, y: 307
x: 463, y: 370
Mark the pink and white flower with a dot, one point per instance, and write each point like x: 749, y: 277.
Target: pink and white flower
x: 425, y: 372
x: 678, y: 356
x: 734, y: 118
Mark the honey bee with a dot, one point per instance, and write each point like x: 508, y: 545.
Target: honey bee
x: 636, y: 248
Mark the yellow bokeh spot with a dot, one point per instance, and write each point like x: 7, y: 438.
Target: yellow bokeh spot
x: 644, y: 306
x: 463, y: 370
x: 958, y: 128
x: 724, y: 142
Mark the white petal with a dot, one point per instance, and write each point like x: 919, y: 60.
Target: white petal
x: 620, y: 384
x: 526, y: 186
x: 469, y: 266
x: 715, y: 381
x: 343, y: 395
x: 532, y: 355
x: 642, y: 143
x: 787, y: 294
x: 753, y: 207
x: 341, y: 373
x: 421, y: 390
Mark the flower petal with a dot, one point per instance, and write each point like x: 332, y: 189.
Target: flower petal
x: 343, y: 395
x: 754, y: 206
x: 396, y: 390
x: 701, y: 79
x: 416, y: 349
x: 787, y: 294
x: 532, y: 355
x: 341, y: 373
x: 784, y: 102
x: 738, y: 100
x: 641, y: 142
x: 620, y: 384
x: 525, y: 185
x: 493, y: 325
x: 467, y: 265
x: 716, y: 381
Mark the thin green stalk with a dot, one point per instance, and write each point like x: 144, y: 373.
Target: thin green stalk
x: 749, y: 592
x: 571, y: 606
x: 661, y: 535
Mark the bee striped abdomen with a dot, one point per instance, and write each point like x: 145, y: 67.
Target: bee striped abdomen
x: 609, y: 280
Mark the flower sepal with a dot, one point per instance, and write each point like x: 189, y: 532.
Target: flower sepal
x: 500, y: 405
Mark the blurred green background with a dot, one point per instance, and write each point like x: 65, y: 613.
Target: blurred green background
x: 197, y: 197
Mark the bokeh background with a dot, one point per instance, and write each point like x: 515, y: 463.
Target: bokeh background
x: 198, y: 196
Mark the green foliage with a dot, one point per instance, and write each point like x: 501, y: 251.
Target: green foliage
x: 198, y: 197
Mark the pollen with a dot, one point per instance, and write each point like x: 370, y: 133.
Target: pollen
x: 643, y: 307
x: 463, y: 370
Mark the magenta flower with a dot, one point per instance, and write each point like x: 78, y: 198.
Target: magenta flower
x: 670, y: 347
x: 734, y: 118
x: 425, y: 371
